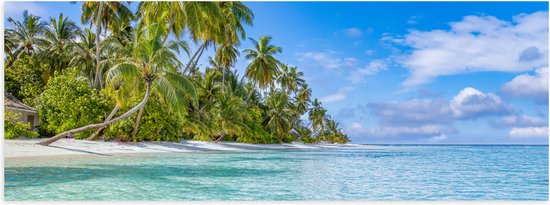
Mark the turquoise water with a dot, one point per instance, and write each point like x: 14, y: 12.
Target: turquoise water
x: 384, y: 173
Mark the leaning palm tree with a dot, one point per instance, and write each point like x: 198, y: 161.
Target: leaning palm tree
x: 264, y: 66
x: 24, y: 37
x: 151, y: 64
x: 101, y: 14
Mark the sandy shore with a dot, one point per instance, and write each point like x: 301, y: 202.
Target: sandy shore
x: 28, y: 148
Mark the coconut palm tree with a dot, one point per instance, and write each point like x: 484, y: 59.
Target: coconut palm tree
x: 152, y: 65
x: 229, y: 113
x: 264, y: 66
x: 101, y: 14
x: 85, y: 61
x: 60, y: 37
x: 24, y: 37
x: 316, y: 117
x: 280, y: 114
x: 290, y: 78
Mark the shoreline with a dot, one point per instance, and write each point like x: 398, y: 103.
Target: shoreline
x: 27, y: 149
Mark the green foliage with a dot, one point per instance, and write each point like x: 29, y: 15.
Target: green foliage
x: 71, y: 91
x: 157, y: 124
x: 24, y: 80
x: 14, y: 129
x: 67, y: 103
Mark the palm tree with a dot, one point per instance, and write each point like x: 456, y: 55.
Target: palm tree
x: 225, y: 30
x: 101, y: 14
x: 152, y: 65
x: 264, y: 66
x: 229, y: 114
x: 316, y: 117
x: 302, y: 100
x: 85, y: 61
x: 290, y: 78
x: 24, y: 37
x: 60, y: 37
x: 280, y: 114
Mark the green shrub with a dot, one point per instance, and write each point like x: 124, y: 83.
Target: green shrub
x: 14, y: 129
x: 25, y: 79
x: 157, y: 123
x: 68, y: 102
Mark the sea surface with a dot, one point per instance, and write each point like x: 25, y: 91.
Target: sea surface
x: 388, y: 172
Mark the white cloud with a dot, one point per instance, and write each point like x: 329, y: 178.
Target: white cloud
x: 531, y: 86
x: 357, y: 129
x: 472, y: 103
x: 325, y: 59
x: 356, y: 76
x: 438, y: 138
x: 529, y: 132
x: 369, y: 52
x: 519, y: 121
x: 342, y: 94
x: 433, y: 119
x: 353, y: 32
x: 477, y: 43
x: 15, y: 9
x: 412, y: 112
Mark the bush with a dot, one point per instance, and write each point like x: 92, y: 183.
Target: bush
x: 25, y: 79
x: 68, y: 102
x: 14, y: 129
x: 157, y: 123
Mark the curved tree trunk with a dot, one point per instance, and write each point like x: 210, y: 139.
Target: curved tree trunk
x: 97, y: 33
x: 136, y: 124
x: 91, y: 137
x: 48, y: 141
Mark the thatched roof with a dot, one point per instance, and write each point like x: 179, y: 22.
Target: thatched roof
x: 11, y: 102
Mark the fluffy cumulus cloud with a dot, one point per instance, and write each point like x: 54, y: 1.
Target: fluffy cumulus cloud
x: 432, y: 119
x: 531, y: 86
x: 477, y: 43
x: 472, y: 103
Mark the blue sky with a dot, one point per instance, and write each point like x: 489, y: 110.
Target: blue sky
x: 394, y: 72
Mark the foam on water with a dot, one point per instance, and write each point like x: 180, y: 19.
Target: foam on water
x: 354, y: 173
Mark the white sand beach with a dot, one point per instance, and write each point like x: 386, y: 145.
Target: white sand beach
x: 27, y: 148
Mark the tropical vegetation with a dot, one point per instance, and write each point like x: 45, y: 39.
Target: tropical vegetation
x: 132, y: 76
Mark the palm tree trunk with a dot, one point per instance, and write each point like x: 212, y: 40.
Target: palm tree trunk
x: 136, y: 124
x: 192, y: 59
x: 48, y: 141
x: 15, y: 57
x: 91, y: 137
x: 221, y: 137
x: 97, y: 33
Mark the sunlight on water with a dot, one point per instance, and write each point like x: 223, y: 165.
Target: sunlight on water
x: 383, y: 173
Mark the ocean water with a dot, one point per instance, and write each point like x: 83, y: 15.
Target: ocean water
x: 380, y: 173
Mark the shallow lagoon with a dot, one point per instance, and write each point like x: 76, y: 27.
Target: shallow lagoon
x: 370, y: 173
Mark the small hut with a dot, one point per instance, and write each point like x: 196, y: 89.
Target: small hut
x: 27, y: 114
